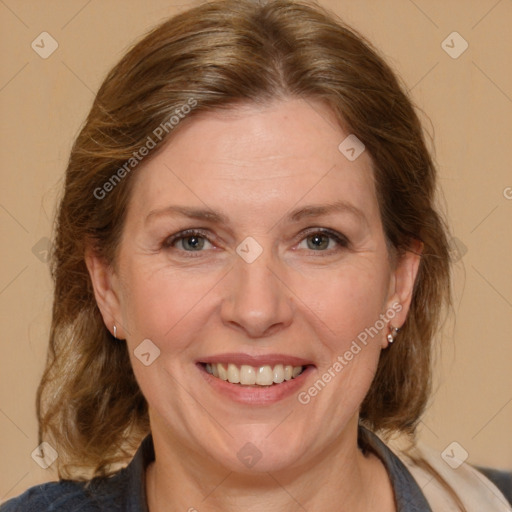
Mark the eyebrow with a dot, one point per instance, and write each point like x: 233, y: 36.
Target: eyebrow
x: 294, y: 216
x: 326, y: 209
x: 191, y: 213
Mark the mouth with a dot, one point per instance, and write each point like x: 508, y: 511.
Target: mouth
x: 266, y: 375
x: 256, y: 379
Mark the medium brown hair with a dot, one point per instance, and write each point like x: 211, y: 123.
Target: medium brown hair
x: 220, y: 54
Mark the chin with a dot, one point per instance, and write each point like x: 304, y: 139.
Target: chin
x: 261, y: 452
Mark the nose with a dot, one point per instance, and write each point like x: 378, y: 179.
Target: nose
x: 256, y: 300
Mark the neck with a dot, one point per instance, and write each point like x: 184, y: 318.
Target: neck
x: 341, y: 478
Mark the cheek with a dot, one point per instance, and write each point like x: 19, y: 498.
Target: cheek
x: 158, y: 302
x: 346, y: 302
x: 166, y: 308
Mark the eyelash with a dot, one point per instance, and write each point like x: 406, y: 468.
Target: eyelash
x: 339, y: 238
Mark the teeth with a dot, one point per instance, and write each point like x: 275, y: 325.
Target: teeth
x: 233, y: 374
x: 297, y: 370
x: 264, y: 376
x: 223, y: 373
x: 249, y: 375
x: 278, y: 373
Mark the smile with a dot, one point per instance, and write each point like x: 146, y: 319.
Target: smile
x: 246, y: 375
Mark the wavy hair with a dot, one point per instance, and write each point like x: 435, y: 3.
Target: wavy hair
x: 223, y: 53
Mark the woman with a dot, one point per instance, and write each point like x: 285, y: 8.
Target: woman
x: 249, y: 271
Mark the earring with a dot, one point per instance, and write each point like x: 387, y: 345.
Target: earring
x: 115, y: 331
x: 392, y: 335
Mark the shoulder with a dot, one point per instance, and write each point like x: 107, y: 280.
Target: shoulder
x: 474, y: 489
x: 66, y: 495
x: 502, y: 480
x: 122, y: 491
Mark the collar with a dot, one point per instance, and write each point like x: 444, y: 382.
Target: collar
x: 408, y: 495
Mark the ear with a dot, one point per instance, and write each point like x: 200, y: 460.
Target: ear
x: 402, y: 283
x: 104, y: 284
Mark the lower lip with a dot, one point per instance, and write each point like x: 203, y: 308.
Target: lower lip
x: 256, y: 395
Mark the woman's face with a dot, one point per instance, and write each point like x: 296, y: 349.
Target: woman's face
x: 251, y: 240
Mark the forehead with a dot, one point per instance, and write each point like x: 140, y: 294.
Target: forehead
x: 265, y: 157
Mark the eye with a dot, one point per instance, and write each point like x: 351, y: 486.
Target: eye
x: 189, y: 241
x: 323, y: 241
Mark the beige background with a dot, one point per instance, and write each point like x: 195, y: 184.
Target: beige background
x: 469, y: 102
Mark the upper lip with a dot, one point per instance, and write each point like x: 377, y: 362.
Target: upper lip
x: 256, y: 361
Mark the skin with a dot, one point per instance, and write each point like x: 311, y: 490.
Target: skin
x: 255, y: 164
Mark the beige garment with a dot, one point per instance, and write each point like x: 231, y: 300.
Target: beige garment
x: 475, y: 490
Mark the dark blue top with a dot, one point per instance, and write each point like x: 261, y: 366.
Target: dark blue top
x: 125, y: 491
